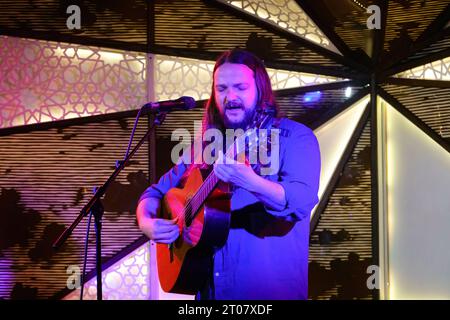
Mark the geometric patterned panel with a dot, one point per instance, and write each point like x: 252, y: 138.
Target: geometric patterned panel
x: 407, y: 20
x: 437, y: 70
x: 127, y: 279
x: 308, y: 107
x: 285, y: 14
x: 111, y: 20
x: 434, y: 48
x: 284, y: 79
x: 205, y: 28
x: 333, y: 136
x: 341, y: 245
x: 46, y: 81
x: 430, y: 105
x: 177, y: 76
x: 180, y: 120
x: 348, y: 19
x: 46, y: 177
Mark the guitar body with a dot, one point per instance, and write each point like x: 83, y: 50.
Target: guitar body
x: 203, y: 211
x: 184, y: 265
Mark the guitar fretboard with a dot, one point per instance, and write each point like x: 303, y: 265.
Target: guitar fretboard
x: 193, y: 206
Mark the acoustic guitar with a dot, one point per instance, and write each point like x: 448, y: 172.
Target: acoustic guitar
x: 203, y: 211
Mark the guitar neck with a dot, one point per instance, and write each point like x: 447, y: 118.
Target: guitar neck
x: 203, y: 192
x: 211, y: 181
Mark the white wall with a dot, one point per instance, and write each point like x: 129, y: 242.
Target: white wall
x: 417, y: 212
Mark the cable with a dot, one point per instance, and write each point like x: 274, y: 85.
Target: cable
x: 85, y: 255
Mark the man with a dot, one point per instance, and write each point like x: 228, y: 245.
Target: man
x: 266, y: 253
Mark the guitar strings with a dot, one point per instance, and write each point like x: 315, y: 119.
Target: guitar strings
x: 189, y: 211
x: 205, y: 189
x: 208, y: 185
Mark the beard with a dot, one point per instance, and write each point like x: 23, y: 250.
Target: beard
x: 246, y: 120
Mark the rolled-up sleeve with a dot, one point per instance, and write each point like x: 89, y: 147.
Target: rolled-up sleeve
x: 169, y: 180
x: 299, y: 175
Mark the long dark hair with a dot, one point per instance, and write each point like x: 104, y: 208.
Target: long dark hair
x: 211, y: 117
x: 266, y: 97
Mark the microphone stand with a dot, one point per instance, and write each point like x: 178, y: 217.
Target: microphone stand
x: 95, y: 206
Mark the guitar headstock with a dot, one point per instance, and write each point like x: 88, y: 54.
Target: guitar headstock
x: 263, y: 116
x: 250, y: 141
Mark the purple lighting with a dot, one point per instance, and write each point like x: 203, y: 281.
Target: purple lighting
x: 312, y: 96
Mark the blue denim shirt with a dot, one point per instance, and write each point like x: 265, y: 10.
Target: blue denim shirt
x: 266, y: 253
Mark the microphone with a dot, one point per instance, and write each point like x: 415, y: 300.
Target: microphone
x: 183, y: 103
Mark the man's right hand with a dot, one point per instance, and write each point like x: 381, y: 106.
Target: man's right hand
x: 159, y: 230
